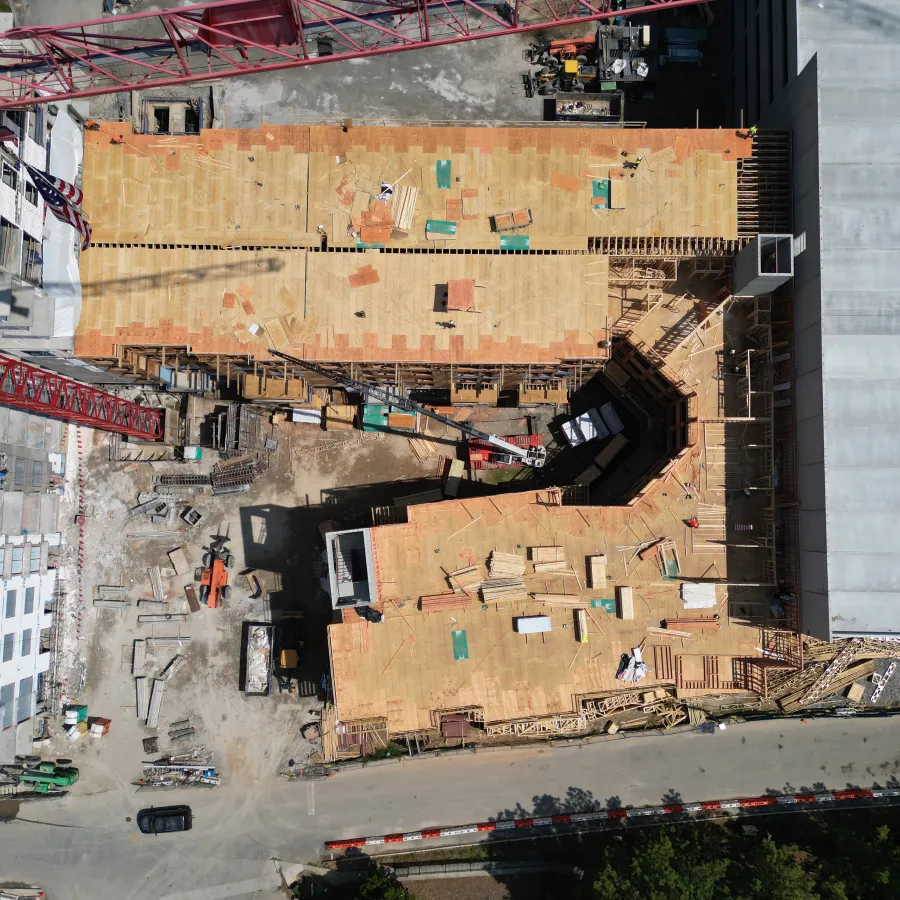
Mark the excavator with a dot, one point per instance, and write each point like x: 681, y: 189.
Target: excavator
x: 486, y: 451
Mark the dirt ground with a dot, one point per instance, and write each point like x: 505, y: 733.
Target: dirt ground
x: 313, y: 476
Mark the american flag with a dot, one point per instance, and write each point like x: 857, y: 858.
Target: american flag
x: 63, y: 200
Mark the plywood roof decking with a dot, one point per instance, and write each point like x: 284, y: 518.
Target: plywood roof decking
x: 405, y: 667
x: 201, y: 298
x: 527, y: 308
x: 207, y: 298
x: 685, y: 186
x: 273, y: 186
x: 187, y: 189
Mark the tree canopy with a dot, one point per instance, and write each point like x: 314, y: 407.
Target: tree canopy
x: 381, y: 885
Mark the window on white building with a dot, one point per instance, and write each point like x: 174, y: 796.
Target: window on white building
x: 26, y: 690
x: 7, y: 696
x: 20, y: 473
x: 32, y: 264
x: 34, y: 564
x: 31, y: 193
x: 9, y: 641
x: 17, y: 560
x: 36, y: 125
x: 8, y: 243
x: 10, y: 176
x: 26, y: 642
x: 29, y: 601
x: 10, y: 604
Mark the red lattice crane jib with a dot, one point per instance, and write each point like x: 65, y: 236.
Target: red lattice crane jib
x: 27, y: 387
x: 40, y: 64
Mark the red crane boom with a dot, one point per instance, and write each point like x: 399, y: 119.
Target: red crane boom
x: 28, y: 387
x: 40, y: 64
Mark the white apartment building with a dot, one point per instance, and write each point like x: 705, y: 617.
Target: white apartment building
x: 21, y: 207
x: 27, y: 591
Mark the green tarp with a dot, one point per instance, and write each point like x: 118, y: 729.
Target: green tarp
x: 601, y: 193
x: 514, y: 241
x: 438, y: 226
x: 374, y: 417
x: 442, y: 170
x: 460, y: 645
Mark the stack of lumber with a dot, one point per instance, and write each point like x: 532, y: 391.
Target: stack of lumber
x: 597, y: 571
x: 437, y: 602
x: 570, y: 600
x: 423, y: 448
x: 548, y: 559
x: 547, y: 554
x: 693, y: 623
x: 403, y: 206
x: 506, y: 565
x: 502, y: 590
x: 468, y: 579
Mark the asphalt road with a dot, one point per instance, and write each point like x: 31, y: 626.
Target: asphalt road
x: 83, y: 847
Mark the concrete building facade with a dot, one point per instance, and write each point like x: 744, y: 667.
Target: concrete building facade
x: 828, y: 73
x: 27, y: 593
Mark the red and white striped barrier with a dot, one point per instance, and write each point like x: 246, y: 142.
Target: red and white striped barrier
x: 615, y: 815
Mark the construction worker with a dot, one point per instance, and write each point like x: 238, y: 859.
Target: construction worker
x: 692, y: 522
x: 752, y: 131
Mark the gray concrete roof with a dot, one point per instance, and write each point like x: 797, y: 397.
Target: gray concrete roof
x: 857, y: 49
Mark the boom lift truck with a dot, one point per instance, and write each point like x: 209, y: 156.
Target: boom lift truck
x: 485, y: 450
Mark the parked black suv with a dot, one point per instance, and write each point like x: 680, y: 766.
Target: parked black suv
x: 163, y: 819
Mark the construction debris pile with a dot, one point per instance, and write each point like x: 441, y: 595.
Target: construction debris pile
x: 837, y: 674
x: 194, y: 767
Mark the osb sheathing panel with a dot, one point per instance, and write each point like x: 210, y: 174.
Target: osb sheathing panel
x: 222, y: 187
x: 527, y: 308
x: 405, y: 667
x: 685, y: 185
x: 205, y: 299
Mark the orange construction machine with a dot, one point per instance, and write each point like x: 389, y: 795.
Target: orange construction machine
x: 217, y: 560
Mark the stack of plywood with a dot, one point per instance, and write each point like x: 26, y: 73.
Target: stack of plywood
x: 548, y: 559
x: 547, y: 554
x: 597, y: 570
x: 625, y: 604
x: 506, y: 565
